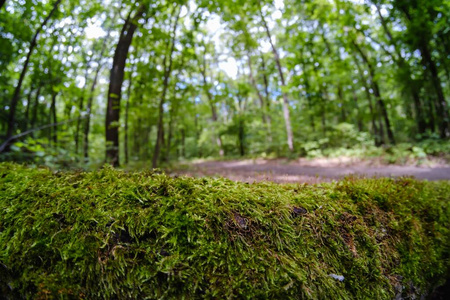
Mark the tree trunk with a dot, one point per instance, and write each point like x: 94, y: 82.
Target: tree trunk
x: 241, y: 134
x: 77, y: 130
x: 258, y: 93
x: 287, y: 119
x: 308, y: 93
x: 358, y: 112
x: 27, y: 111
x: 378, y: 134
x: 2, y: 2
x: 81, y: 103
x: 440, y: 103
x: 115, y: 87
x: 16, y: 95
x: 211, y: 104
x: 323, y: 90
x: 265, y: 118
x: 404, y: 67
x: 35, y: 107
x: 376, y: 91
x: 341, y: 98
x: 53, y: 115
x: 127, y: 109
x: 167, y: 72
x: 87, y: 124
x: 183, y: 142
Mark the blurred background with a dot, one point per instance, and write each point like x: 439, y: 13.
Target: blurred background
x: 142, y: 84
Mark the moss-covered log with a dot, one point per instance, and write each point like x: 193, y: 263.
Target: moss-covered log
x: 112, y: 234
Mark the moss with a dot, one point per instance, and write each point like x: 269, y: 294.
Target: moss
x: 112, y: 234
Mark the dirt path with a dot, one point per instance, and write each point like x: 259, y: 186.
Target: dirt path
x: 283, y: 171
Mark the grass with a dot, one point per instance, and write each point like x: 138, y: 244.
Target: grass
x: 116, y: 234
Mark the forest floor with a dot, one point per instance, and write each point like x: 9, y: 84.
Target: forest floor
x: 306, y: 171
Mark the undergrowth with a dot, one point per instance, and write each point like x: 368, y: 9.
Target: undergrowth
x: 112, y: 234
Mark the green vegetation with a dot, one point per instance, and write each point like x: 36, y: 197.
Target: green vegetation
x: 109, y: 233
x: 134, y: 82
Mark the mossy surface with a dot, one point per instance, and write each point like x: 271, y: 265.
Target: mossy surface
x: 112, y: 234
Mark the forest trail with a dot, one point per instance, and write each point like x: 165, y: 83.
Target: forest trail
x: 284, y: 171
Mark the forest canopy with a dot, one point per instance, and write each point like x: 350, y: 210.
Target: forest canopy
x: 149, y: 82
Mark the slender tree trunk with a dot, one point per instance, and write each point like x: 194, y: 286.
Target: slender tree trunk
x: 258, y: 93
x: 378, y: 134
x: 87, y: 124
x: 267, y: 99
x: 358, y: 112
x: 77, y: 130
x: 404, y: 67
x: 167, y: 72
x: 341, y: 98
x: 241, y: 136
x: 431, y: 116
x: 115, y: 86
x: 308, y: 94
x: 35, y: 107
x: 211, y: 104
x: 169, y: 138
x: 53, y: 114
x: 127, y: 109
x: 376, y: 91
x: 81, y: 104
x: 286, y: 114
x: 183, y: 142
x: 242, y: 106
x: 440, y: 103
x: 265, y: 117
x: 16, y: 95
x: 173, y: 114
x: 27, y: 110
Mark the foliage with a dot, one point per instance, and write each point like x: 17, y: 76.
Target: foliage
x: 112, y: 234
x: 350, y: 74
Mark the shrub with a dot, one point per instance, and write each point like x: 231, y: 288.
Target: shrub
x: 112, y: 234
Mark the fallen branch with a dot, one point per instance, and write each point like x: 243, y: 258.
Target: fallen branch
x: 15, y: 137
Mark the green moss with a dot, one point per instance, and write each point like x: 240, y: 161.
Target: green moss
x: 111, y: 234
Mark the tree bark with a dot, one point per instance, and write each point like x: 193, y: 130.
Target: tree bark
x: 286, y: 114
x: 167, y: 72
x: 115, y: 86
x: 16, y: 95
